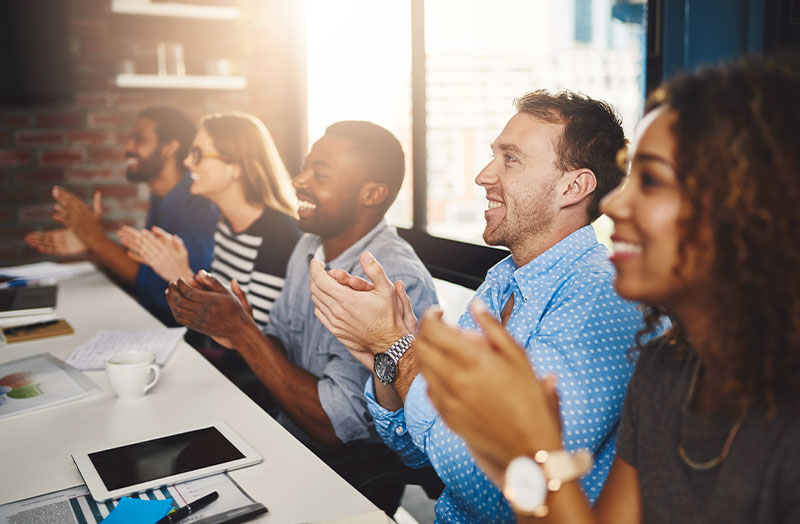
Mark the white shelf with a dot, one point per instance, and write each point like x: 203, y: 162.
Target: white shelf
x: 181, y: 82
x: 147, y: 8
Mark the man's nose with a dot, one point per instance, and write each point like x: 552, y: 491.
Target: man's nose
x: 488, y: 175
x: 301, y: 180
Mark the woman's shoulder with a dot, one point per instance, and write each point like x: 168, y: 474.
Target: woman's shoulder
x: 661, y: 362
x: 276, y: 227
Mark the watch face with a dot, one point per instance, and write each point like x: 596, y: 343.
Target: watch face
x: 385, y: 368
x: 526, y: 485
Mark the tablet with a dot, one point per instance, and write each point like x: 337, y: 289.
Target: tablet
x: 169, y: 459
x: 34, y: 300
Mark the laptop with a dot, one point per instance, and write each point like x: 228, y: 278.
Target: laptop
x: 18, y: 301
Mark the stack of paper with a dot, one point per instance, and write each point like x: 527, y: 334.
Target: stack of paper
x: 76, y: 505
x: 92, y: 354
x: 46, y: 271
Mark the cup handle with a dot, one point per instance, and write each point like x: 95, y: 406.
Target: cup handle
x: 156, y: 373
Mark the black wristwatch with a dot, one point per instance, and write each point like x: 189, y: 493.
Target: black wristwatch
x: 386, y: 363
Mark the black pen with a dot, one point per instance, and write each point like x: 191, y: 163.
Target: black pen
x: 190, y: 508
x: 16, y: 330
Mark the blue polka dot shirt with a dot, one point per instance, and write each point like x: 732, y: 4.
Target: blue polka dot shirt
x: 573, y: 325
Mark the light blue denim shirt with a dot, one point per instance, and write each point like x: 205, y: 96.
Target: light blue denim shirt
x: 311, y: 346
x: 572, y: 324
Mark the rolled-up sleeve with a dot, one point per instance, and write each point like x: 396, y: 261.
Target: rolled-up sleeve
x: 340, y: 393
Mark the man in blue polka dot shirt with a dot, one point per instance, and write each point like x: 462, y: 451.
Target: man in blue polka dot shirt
x: 553, y: 162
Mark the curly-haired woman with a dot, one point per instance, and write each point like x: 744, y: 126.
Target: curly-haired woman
x: 706, y: 230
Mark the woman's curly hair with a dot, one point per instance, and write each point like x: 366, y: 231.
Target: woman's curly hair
x: 738, y: 159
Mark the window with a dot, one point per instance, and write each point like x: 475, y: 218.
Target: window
x: 478, y: 57
x: 359, y: 68
x: 481, y: 57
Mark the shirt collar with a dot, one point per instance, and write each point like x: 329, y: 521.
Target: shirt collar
x: 351, y: 255
x: 177, y: 195
x: 550, y: 265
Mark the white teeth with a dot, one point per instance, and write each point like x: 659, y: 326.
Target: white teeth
x: 494, y: 204
x: 307, y: 205
x: 626, y: 247
x: 132, y: 161
x: 194, y: 176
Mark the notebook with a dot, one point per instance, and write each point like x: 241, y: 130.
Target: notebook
x: 36, y: 300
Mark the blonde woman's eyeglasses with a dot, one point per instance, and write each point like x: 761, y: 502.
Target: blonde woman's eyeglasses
x: 197, y: 155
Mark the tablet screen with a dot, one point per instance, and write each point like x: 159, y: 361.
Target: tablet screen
x: 163, y: 457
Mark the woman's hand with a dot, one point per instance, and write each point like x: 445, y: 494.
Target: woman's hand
x: 163, y: 252
x: 486, y: 390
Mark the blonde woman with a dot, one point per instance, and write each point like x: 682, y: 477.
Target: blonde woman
x: 235, y: 164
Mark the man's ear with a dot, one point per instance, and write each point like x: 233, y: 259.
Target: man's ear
x: 580, y: 184
x: 372, y: 194
x: 170, y: 149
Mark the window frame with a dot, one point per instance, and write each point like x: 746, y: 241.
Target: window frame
x: 452, y: 260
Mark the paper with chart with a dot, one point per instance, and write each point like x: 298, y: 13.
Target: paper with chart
x: 76, y: 505
x: 37, y: 382
x: 92, y: 354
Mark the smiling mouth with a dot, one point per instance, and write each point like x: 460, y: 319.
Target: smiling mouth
x: 493, y: 204
x: 194, y: 176
x: 305, y: 205
x: 625, y: 248
x: 131, y: 162
x: 305, y: 208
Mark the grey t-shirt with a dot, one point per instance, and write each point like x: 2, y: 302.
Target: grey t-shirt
x: 759, y: 482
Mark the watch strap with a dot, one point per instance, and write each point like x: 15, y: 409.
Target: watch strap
x: 561, y: 466
x: 399, y: 347
x: 557, y: 467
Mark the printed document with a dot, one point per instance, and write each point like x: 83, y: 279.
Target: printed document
x: 92, y: 354
x: 76, y: 505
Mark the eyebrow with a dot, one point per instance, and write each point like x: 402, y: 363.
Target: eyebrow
x: 507, y: 147
x: 648, y: 157
x: 320, y: 163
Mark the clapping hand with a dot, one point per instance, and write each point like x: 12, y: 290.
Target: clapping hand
x: 486, y: 390
x: 70, y: 211
x: 163, y: 252
x: 63, y: 242
x: 366, y: 316
x: 79, y: 219
x: 203, y: 304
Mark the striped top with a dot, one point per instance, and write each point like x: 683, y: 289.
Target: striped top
x: 256, y: 258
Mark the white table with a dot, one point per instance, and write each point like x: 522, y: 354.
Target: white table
x: 35, y: 448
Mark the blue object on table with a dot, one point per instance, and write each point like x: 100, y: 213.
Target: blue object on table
x: 137, y: 511
x: 190, y: 508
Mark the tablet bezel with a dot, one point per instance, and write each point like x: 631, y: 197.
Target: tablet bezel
x: 46, y: 303
x: 101, y: 494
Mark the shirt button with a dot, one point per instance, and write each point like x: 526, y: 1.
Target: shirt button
x: 398, y: 430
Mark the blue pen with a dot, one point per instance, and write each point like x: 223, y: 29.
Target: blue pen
x: 17, y: 282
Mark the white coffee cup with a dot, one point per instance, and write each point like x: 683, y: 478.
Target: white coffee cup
x: 129, y: 372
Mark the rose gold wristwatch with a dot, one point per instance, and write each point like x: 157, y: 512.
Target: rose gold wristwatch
x: 529, y: 480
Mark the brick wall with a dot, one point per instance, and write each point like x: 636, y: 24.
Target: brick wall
x: 78, y: 143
